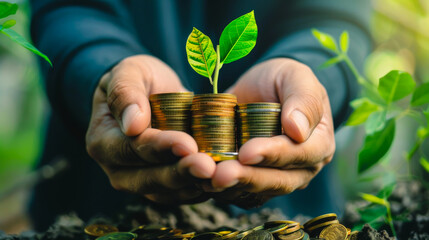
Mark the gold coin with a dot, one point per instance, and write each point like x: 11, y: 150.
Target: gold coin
x: 217, y: 157
x: 320, y: 219
x: 320, y: 226
x: 334, y: 232
x: 354, y: 235
x: 296, y: 235
x: 98, y: 230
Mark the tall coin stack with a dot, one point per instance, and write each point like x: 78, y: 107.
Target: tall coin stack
x: 213, y: 122
x: 258, y: 120
x: 171, y: 111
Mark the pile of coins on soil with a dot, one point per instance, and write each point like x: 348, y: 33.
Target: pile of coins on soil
x: 323, y: 227
x: 213, y: 122
x: 258, y: 120
x: 171, y: 111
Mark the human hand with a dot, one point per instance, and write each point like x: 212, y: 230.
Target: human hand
x: 161, y: 165
x: 269, y: 167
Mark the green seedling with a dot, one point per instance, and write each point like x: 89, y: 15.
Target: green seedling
x: 378, y: 108
x: 6, y: 10
x: 379, y: 208
x: 236, y: 41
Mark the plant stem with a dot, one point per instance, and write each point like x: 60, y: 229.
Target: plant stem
x: 390, y: 220
x: 217, y: 68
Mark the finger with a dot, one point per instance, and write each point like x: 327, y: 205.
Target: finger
x: 269, y: 181
x: 302, y: 98
x: 126, y: 97
x: 128, y: 85
x: 282, y: 152
x: 162, y: 178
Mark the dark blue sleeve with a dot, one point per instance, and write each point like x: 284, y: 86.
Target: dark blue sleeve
x: 83, y: 39
x: 332, y: 17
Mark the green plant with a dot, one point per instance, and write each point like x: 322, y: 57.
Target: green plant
x: 378, y: 109
x: 380, y: 106
x: 378, y: 212
x: 6, y: 10
x: 236, y: 41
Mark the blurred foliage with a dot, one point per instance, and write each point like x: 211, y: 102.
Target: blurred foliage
x: 22, y: 104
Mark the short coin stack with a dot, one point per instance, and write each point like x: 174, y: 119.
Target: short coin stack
x: 213, y: 122
x: 258, y: 120
x: 328, y: 227
x: 171, y: 111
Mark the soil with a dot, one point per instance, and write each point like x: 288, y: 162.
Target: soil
x: 199, y: 218
x: 409, y: 200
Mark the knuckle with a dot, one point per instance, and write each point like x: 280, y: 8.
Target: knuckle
x: 117, y: 96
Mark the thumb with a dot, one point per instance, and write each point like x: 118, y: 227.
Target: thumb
x: 127, y: 99
x: 301, y: 113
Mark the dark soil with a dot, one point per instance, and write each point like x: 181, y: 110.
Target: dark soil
x: 199, y: 218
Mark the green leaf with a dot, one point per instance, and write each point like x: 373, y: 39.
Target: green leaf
x: 395, y: 85
x: 14, y: 36
x: 387, y: 191
x: 425, y: 163
x: 7, y: 9
x: 332, y: 61
x: 201, y: 54
x: 344, y: 41
x: 421, y: 95
x: 373, y: 199
x: 373, y: 213
x: 363, y: 109
x: 376, y: 146
x: 238, y: 38
x: 426, y: 113
x: 8, y: 24
x: 325, y: 40
x: 375, y: 122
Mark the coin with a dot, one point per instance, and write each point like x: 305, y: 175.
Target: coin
x: 118, y: 236
x: 98, y: 230
x: 259, y: 235
x: 217, y: 157
x: 207, y: 236
x: 320, y: 219
x: 296, y: 235
x: 335, y: 231
x: 213, y: 124
x: 354, y: 235
x: 314, y: 230
x: 276, y: 228
x: 171, y: 111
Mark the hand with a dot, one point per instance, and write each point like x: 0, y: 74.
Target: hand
x: 161, y: 165
x: 269, y: 167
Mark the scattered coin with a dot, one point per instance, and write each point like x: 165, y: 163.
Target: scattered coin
x: 98, y: 230
x: 118, y: 236
x: 334, y: 231
x: 259, y: 235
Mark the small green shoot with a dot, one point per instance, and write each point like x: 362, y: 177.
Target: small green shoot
x: 372, y: 213
x: 6, y: 10
x: 236, y: 41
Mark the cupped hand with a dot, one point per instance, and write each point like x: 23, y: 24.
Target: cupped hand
x: 161, y: 165
x: 269, y: 167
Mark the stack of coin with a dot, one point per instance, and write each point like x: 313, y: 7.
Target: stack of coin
x: 171, y: 111
x: 213, y: 122
x: 328, y: 227
x: 258, y: 120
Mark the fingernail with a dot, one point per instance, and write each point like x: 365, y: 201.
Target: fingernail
x: 180, y: 150
x: 254, y: 160
x: 231, y: 184
x: 128, y: 116
x: 301, y: 122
